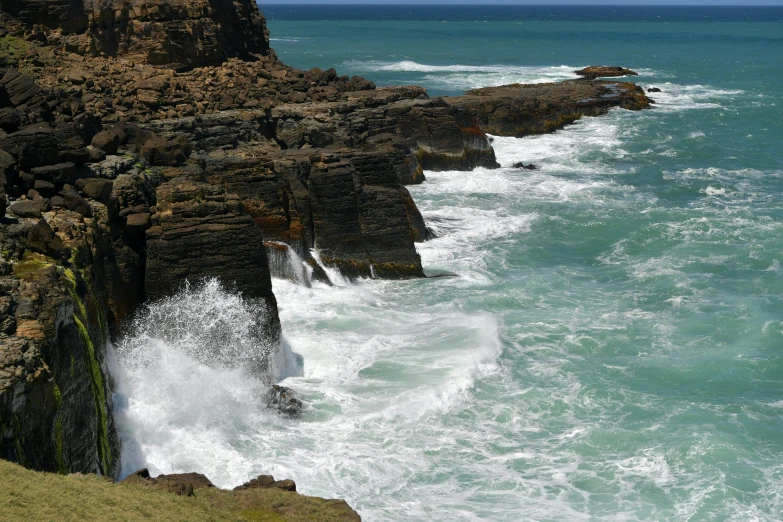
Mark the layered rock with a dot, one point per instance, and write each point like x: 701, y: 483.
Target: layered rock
x: 55, y: 397
x: 522, y: 110
x: 178, y: 33
x: 199, y: 231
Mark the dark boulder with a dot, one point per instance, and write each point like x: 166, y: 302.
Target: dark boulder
x: 654, y: 89
x: 183, y: 484
x: 166, y: 152
x: 42, y: 239
x: 262, y: 482
x: 8, y: 172
x: 87, y: 126
x: 10, y: 119
x: 521, y: 165
x: 266, y: 482
x: 96, y: 155
x: 44, y: 188
x: 98, y: 189
x: 30, y: 208
x: 78, y: 156
x: 108, y: 141
x: 138, y: 223
x: 74, y: 201
x: 283, y: 400
x: 58, y: 174
x: 285, y: 485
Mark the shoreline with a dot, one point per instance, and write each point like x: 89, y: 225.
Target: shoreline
x: 129, y: 173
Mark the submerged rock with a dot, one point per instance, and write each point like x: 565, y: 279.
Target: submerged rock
x: 521, y: 165
x: 284, y: 400
x: 654, y: 89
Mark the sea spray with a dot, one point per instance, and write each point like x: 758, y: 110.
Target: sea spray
x: 189, y: 365
x: 285, y: 263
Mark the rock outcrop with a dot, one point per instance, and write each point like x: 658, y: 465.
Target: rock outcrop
x: 183, y: 484
x: 604, y: 71
x: 178, y: 33
x: 522, y: 110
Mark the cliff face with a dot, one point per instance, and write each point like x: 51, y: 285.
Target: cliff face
x: 177, y: 33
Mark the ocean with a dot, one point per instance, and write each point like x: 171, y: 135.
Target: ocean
x: 611, y: 347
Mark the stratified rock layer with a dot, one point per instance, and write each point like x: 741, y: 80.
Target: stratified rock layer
x: 179, y: 33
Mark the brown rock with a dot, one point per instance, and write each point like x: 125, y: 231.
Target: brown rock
x: 74, y: 201
x: 108, y: 141
x: 183, y: 484
x: 96, y: 154
x: 45, y: 188
x: 10, y: 119
x: 138, y: 222
x: 285, y: 485
x: 98, y: 189
x: 166, y: 152
x: 58, y: 174
x: 29, y: 208
x: 42, y: 239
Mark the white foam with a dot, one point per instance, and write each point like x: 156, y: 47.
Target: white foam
x: 191, y: 371
x: 676, y: 97
x: 714, y: 191
x: 463, y: 77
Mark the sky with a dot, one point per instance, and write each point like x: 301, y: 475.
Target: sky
x: 531, y: 2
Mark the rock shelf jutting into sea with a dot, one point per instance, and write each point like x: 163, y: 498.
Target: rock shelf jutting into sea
x: 442, y: 263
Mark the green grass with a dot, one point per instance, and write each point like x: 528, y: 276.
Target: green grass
x: 31, y: 495
x: 13, y: 48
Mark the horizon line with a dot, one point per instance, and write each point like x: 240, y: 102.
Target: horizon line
x: 507, y: 4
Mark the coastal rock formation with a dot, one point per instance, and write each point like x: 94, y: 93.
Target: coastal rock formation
x: 55, y: 398
x: 522, y: 110
x: 180, y: 33
x: 147, y: 144
x: 604, y: 71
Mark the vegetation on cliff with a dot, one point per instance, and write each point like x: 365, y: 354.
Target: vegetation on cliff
x: 30, y: 495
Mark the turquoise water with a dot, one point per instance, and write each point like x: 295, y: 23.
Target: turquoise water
x: 612, y: 348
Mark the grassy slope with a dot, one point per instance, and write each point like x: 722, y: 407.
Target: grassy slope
x: 30, y: 495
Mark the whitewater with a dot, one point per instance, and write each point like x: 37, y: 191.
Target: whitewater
x: 604, y: 342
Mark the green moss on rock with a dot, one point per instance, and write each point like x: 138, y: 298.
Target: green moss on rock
x: 99, y: 394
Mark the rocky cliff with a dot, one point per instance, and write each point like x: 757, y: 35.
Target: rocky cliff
x: 177, y: 33
x: 145, y: 144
